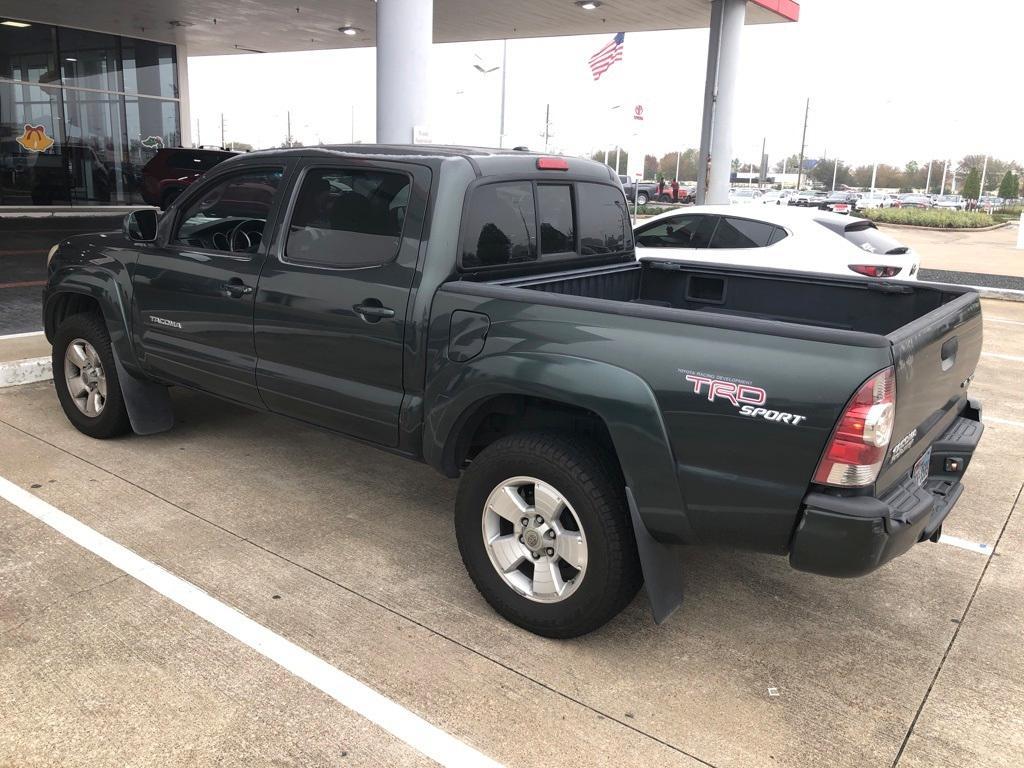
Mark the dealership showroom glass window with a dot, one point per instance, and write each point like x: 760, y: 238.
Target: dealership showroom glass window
x: 81, y: 113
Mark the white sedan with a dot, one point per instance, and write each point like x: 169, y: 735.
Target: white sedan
x: 802, y: 239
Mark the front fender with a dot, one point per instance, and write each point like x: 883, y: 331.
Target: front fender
x: 109, y: 286
x: 619, y: 397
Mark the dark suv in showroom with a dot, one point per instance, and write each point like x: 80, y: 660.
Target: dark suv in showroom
x: 174, y: 168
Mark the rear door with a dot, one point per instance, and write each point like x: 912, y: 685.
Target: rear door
x: 934, y: 356
x: 330, y: 314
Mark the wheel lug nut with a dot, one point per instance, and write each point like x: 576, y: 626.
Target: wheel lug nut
x: 536, y: 556
x: 550, y: 551
x: 525, y: 521
x: 538, y: 519
x: 520, y: 539
x: 550, y: 534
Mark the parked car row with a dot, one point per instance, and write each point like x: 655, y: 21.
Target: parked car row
x: 643, y: 192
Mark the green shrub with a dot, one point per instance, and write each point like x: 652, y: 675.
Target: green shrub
x: 923, y: 217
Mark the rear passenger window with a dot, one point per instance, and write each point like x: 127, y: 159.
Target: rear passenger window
x: 557, y: 234
x: 778, y: 234
x: 348, y: 218
x: 501, y: 226
x: 603, y: 220
x: 683, y: 231
x: 742, y: 233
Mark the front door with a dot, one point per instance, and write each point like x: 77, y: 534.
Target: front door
x: 194, y: 287
x: 330, y: 315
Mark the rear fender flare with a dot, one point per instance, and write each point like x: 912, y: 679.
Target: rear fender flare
x: 619, y: 397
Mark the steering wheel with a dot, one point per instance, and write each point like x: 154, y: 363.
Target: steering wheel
x: 242, y: 240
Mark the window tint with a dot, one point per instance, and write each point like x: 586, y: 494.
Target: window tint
x: 777, y: 234
x: 684, y: 231
x: 603, y: 220
x: 232, y: 214
x: 348, y: 218
x: 864, y: 235
x: 557, y: 234
x: 501, y: 226
x: 741, y: 233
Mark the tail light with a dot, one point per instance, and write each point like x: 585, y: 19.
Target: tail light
x: 875, y: 270
x: 858, y: 445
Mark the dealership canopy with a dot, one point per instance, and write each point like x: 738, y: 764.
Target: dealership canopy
x: 402, y: 31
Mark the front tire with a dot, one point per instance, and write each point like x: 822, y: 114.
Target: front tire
x: 85, y: 377
x: 642, y: 199
x: 545, y: 533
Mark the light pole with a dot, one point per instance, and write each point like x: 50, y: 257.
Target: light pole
x: 945, y: 167
x: 874, y: 172
x: 835, y: 172
x: 984, y: 169
x: 504, y: 81
x: 928, y: 181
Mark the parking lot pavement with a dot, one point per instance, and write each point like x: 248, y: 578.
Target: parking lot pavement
x: 990, y: 252
x: 915, y: 665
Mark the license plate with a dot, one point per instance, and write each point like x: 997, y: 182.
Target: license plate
x: 841, y: 208
x: 920, y: 473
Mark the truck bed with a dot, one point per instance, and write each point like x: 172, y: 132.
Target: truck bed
x: 930, y: 333
x: 819, y: 301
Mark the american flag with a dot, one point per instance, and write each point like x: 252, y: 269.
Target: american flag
x: 603, y: 59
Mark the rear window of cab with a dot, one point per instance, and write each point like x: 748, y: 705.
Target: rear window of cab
x: 519, y: 222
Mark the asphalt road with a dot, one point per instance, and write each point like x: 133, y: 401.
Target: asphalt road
x: 972, y: 278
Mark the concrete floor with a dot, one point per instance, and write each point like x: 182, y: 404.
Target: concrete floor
x: 350, y: 553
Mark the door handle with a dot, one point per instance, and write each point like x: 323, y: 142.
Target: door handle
x: 236, y: 289
x: 372, y: 311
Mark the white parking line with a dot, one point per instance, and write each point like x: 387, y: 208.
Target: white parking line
x: 427, y: 739
x: 997, y: 356
x: 973, y: 546
x: 21, y: 335
x: 1005, y: 320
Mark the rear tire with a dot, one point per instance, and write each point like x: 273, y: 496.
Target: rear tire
x: 85, y: 377
x: 642, y: 199
x: 572, y: 485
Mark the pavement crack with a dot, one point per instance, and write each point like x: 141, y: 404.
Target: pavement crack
x: 956, y: 632
x: 438, y: 633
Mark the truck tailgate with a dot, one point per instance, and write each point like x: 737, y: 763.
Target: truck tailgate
x: 934, y: 357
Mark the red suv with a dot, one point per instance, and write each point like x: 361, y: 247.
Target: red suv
x: 174, y: 168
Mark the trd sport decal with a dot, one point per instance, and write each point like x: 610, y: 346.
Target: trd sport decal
x: 741, y: 394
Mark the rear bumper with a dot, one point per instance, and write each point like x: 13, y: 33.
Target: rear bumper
x: 853, y: 535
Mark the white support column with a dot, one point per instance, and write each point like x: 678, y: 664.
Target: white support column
x: 184, y: 110
x: 405, y: 31
x: 727, y: 18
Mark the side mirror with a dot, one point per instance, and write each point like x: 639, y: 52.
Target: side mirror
x: 140, y: 226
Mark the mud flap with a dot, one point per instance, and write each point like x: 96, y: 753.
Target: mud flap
x: 662, y: 567
x: 148, y: 403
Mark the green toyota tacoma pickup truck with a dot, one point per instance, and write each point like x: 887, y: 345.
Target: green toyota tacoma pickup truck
x: 484, y: 312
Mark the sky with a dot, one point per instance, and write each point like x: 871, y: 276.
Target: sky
x: 888, y: 81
